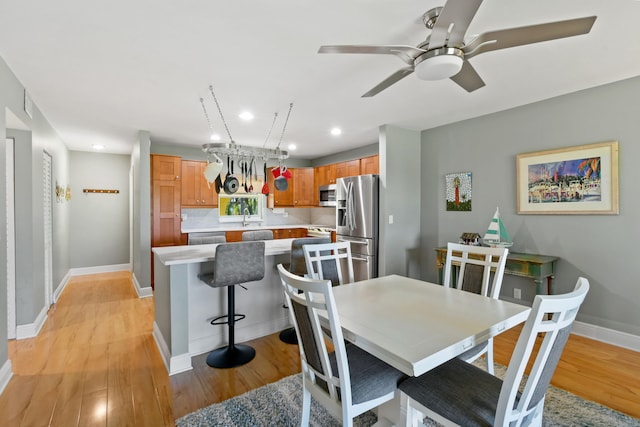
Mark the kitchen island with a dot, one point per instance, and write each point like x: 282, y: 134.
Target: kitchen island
x: 184, y: 305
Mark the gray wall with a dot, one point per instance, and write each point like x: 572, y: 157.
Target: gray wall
x: 141, y: 227
x: 100, y: 231
x: 598, y: 247
x: 399, y: 247
x: 30, y: 146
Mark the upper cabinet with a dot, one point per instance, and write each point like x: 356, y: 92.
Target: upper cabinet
x: 349, y: 168
x: 325, y: 175
x: 300, y: 191
x: 196, y: 191
x: 165, y: 168
x: 303, y: 188
x: 370, y: 165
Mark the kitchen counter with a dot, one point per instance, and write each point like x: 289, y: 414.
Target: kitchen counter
x: 174, y: 255
x: 184, y: 305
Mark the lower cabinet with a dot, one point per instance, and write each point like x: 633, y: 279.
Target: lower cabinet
x: 278, y: 233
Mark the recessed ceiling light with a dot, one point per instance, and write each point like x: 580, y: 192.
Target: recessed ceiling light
x: 215, y: 137
x: 336, y: 131
x: 292, y: 147
x: 98, y: 146
x: 246, y: 115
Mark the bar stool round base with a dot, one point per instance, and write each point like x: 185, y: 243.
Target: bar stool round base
x: 288, y: 336
x: 229, y: 357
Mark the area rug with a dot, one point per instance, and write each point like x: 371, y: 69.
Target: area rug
x: 279, y: 404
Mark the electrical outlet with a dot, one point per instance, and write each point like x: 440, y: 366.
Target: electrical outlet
x: 390, y: 219
x: 517, y: 294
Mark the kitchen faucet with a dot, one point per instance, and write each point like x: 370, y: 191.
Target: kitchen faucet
x: 244, y: 217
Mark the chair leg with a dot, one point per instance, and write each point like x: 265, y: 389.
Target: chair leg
x: 489, y: 356
x: 233, y: 354
x: 306, y: 406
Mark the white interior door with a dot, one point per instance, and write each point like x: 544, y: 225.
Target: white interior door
x: 11, y: 243
x: 47, y: 196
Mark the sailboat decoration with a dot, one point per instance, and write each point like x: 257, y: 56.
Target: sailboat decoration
x: 496, y: 235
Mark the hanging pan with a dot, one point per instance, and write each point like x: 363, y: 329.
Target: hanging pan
x: 231, y: 183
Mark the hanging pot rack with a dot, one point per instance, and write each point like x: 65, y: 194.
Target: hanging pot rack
x: 231, y: 149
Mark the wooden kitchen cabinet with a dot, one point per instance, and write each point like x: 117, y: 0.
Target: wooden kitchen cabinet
x: 289, y: 233
x: 300, y: 193
x: 165, y: 200
x: 166, y: 172
x: 303, y: 188
x: 196, y: 191
x: 370, y: 165
x: 348, y: 168
x: 281, y: 199
x: 325, y: 175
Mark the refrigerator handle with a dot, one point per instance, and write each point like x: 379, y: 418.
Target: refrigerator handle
x: 354, y: 242
x: 359, y: 259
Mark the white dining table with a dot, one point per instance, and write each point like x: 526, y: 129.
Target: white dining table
x: 414, y: 325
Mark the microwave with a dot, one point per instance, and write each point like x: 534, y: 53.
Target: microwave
x: 327, y: 195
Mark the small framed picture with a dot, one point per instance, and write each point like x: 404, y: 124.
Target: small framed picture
x: 458, y: 191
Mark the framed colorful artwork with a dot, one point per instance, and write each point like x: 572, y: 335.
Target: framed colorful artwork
x: 573, y: 180
x: 458, y: 191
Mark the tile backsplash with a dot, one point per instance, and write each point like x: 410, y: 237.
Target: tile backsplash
x: 204, y: 218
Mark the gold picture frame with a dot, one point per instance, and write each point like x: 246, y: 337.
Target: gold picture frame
x: 579, y: 180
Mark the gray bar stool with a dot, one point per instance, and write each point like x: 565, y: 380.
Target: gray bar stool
x: 298, y: 266
x: 234, y: 263
x: 257, y: 235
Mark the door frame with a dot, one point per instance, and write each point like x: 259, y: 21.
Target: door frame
x: 11, y: 239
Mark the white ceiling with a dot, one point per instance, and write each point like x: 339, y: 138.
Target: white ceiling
x: 102, y: 71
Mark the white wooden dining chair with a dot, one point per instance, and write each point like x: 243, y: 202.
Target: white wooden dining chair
x: 476, y: 265
x: 347, y: 381
x: 331, y: 261
x: 459, y: 393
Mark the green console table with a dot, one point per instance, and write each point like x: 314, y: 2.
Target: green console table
x: 533, y: 266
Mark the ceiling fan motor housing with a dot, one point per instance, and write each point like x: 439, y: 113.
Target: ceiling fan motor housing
x: 438, y: 64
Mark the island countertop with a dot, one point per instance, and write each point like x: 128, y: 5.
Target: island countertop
x: 174, y: 255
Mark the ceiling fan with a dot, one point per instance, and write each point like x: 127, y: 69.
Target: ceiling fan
x: 444, y: 54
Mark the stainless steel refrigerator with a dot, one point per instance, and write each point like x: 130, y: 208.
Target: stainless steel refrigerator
x: 357, y: 221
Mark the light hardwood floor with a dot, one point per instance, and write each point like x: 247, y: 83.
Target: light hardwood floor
x: 95, y: 364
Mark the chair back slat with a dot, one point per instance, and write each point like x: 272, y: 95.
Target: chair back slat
x: 562, y: 310
x: 331, y: 261
x: 476, y: 265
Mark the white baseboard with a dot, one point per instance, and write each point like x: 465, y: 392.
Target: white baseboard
x: 175, y: 364
x: 142, y: 292
x: 609, y: 336
x: 31, y: 330
x: 61, y: 286
x: 98, y: 269
x: 5, y: 375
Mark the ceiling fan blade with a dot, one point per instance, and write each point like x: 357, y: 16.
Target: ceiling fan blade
x: 393, y: 78
x: 519, y: 36
x: 468, y: 78
x: 455, y: 15
x: 406, y: 53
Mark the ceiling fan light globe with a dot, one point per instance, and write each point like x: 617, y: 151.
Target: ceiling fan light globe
x: 440, y: 64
